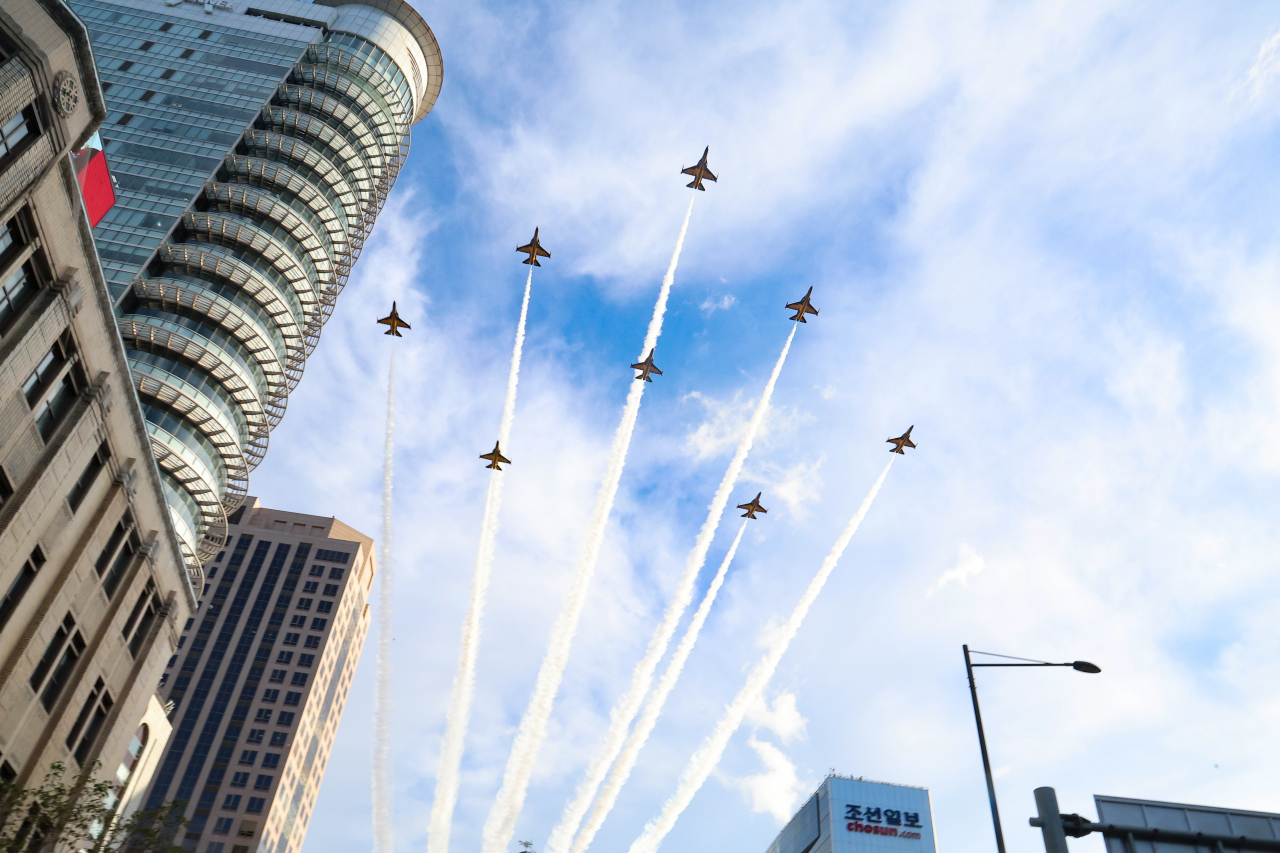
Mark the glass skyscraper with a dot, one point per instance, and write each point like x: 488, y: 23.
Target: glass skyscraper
x: 253, y: 143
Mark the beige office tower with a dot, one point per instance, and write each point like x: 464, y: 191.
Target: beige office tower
x: 261, y: 678
x: 93, y: 586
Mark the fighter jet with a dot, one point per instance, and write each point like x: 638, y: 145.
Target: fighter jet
x: 394, y: 321
x: 535, y: 251
x: 700, y: 172
x: 646, y: 367
x: 753, y: 507
x: 495, y: 457
x: 803, y: 307
x: 902, y: 441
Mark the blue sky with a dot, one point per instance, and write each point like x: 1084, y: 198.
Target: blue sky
x: 1044, y: 233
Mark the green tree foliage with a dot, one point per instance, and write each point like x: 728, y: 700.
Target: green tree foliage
x: 80, y: 815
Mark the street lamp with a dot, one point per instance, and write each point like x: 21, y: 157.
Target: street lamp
x: 969, y: 665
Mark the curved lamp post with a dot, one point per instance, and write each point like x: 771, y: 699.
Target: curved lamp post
x: 969, y: 666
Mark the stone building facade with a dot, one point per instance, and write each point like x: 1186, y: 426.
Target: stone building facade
x: 93, y: 584
x: 261, y: 679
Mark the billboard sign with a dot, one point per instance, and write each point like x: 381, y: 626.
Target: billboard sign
x: 1179, y: 828
x: 876, y: 816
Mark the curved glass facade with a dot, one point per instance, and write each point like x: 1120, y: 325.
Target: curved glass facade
x: 219, y: 322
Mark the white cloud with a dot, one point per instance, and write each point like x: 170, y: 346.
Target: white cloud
x: 726, y: 421
x: 710, y: 305
x: 1043, y: 237
x: 968, y: 563
x: 782, y: 717
x: 778, y: 789
x: 795, y: 485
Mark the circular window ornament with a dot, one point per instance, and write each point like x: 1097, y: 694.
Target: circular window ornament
x: 66, y: 94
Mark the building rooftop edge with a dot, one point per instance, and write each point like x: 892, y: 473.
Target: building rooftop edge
x: 417, y: 25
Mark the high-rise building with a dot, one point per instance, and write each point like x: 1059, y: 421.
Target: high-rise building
x: 253, y: 143
x: 848, y: 815
x: 93, y: 584
x: 261, y: 679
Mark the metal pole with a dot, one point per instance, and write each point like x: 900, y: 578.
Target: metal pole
x: 1055, y: 839
x: 986, y: 761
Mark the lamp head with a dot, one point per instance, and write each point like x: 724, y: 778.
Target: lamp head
x: 1085, y: 666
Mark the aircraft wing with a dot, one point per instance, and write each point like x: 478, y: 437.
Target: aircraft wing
x: 541, y: 251
x: 655, y: 370
x: 706, y: 175
x: 402, y: 324
x: 692, y: 170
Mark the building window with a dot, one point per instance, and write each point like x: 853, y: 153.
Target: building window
x: 324, y: 607
x: 187, y: 54
x: 14, y: 292
x: 248, y: 756
x: 146, y: 45
x: 147, y: 95
x: 332, y: 556
x: 95, y: 711
x: 279, y: 739
x: 306, y: 660
x: 313, y: 642
x: 142, y: 618
x: 270, y: 695
x: 255, y: 806
x: 125, y: 66
x: 215, y: 846
x: 285, y: 719
x: 218, y: 559
x: 310, y: 586
x: 304, y: 603
x: 299, y: 679
x: 331, y: 589
x: 316, y: 571
x: 291, y: 639
x: 335, y: 574
x: 249, y: 827
x: 285, y: 658
x: 222, y: 826
x: 65, y: 649
x: 231, y: 803
x: 255, y: 735
x: 81, y: 488
x: 19, y: 129
x: 18, y: 589
x: 263, y: 783
x: 318, y: 624
x: 277, y: 676
x: 115, y: 557
x: 291, y: 699
x: 239, y: 780
x: 270, y: 761
x: 298, y: 621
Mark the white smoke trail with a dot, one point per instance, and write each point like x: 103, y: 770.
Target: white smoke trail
x: 500, y: 826
x: 708, y: 753
x: 642, y: 678
x: 653, y: 709
x: 382, y: 833
x: 464, y: 681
